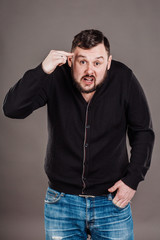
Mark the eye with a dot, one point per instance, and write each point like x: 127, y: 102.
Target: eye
x: 83, y: 62
x: 97, y: 63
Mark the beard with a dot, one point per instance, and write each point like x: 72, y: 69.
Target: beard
x: 95, y: 86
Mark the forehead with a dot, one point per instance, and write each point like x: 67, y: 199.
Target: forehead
x: 94, y: 52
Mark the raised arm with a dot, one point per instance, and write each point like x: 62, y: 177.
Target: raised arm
x: 32, y: 90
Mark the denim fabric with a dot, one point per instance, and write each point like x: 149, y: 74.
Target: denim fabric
x: 73, y: 217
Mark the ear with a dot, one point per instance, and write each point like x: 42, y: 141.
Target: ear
x: 70, y: 61
x: 109, y: 62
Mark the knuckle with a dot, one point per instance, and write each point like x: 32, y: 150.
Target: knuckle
x: 53, y: 52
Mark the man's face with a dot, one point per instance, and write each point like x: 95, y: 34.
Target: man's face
x: 89, y: 67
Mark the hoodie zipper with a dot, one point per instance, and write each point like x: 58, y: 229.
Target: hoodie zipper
x: 84, y: 148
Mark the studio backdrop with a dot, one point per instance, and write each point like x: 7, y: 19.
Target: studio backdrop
x: 29, y: 30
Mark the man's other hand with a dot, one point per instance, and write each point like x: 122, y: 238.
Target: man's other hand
x: 124, y: 194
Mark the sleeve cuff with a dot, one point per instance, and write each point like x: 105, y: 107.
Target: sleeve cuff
x: 130, y: 182
x: 40, y: 72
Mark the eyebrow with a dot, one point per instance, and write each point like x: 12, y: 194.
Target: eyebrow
x: 81, y: 56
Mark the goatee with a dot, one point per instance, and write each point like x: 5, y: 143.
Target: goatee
x: 94, y: 88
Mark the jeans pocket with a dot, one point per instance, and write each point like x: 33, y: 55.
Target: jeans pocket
x: 119, y: 208
x: 52, y: 196
x: 111, y: 197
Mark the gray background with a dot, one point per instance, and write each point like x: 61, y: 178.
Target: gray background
x: 29, y: 29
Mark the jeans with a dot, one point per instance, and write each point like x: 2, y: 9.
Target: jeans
x: 73, y: 217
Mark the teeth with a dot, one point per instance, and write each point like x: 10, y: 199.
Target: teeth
x: 88, y: 79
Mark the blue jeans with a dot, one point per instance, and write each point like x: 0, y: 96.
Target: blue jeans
x: 72, y: 217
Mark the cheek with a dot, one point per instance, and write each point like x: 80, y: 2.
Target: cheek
x: 78, y: 72
x: 100, y: 73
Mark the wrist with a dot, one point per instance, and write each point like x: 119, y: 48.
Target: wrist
x: 45, y: 69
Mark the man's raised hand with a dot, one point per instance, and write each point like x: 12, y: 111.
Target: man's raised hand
x: 54, y: 59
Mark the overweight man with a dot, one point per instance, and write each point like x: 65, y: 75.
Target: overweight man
x: 93, y: 104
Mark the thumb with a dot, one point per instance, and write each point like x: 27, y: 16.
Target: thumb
x: 113, y: 188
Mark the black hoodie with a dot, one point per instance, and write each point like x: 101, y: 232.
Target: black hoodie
x: 86, y: 151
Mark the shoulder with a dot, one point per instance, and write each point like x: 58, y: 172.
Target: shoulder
x: 119, y: 69
x: 121, y: 77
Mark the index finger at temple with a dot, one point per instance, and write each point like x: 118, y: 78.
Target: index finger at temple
x: 65, y: 53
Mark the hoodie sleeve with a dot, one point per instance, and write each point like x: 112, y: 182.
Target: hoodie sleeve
x: 28, y: 94
x: 140, y: 134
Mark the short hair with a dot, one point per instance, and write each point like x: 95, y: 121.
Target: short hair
x: 90, y: 38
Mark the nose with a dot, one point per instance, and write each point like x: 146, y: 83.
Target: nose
x: 89, y: 69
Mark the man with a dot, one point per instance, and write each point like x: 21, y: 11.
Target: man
x: 93, y: 101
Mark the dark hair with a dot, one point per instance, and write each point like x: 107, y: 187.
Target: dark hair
x: 90, y: 38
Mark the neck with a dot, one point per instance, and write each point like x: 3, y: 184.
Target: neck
x: 88, y: 96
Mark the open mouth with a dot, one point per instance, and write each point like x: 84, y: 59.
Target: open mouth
x: 88, y: 79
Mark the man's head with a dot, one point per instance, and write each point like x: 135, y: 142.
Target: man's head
x: 91, y: 60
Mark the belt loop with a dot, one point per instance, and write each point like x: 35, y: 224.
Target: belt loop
x: 110, y: 197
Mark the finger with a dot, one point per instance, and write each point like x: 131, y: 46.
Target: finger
x: 67, y: 54
x: 115, y: 200
x: 61, y: 57
x: 114, y: 187
x: 120, y: 203
x: 123, y: 204
x: 60, y: 61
